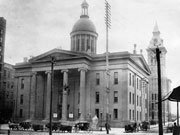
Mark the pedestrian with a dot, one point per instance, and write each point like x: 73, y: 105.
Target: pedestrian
x: 107, y: 126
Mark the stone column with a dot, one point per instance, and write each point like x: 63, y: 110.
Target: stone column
x: 48, y: 92
x: 65, y: 92
x: 33, y: 96
x: 82, y: 93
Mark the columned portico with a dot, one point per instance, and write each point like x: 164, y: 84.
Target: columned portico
x: 82, y: 92
x: 48, y: 90
x: 32, y: 96
x: 65, y: 92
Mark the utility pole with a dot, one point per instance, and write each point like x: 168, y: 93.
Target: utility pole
x: 159, y: 91
x: 108, y: 24
x: 52, y: 87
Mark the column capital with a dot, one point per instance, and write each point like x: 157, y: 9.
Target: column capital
x: 64, y: 70
x: 34, y: 73
x: 48, y: 72
x: 82, y: 69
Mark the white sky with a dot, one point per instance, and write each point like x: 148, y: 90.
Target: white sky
x: 36, y: 26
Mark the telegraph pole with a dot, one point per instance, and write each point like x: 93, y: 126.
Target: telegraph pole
x: 108, y: 24
x: 52, y: 87
x: 159, y: 91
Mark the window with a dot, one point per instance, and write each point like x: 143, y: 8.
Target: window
x: 140, y: 98
x: 152, y: 96
x: 133, y: 80
x: 77, y: 45
x: 115, y: 96
x: 129, y: 114
x: 140, y: 86
x: 133, y: 98
x: 7, y: 84
x: 21, y: 99
x: 140, y: 116
x: 133, y: 114
x: 21, y: 113
x: 5, y: 73
x: 97, y: 78
x: 137, y: 100
x: 97, y: 112
x: 130, y: 79
x: 82, y: 44
x: 97, y: 97
x: 129, y: 97
x: 152, y: 106
x: 137, y: 83
x: 152, y: 115
x: 115, y: 77
x: 22, y: 83
x: 115, y: 113
x: 88, y: 45
x: 137, y: 115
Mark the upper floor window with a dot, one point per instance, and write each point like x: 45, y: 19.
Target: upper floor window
x: 137, y: 83
x: 88, y: 45
x: 133, y: 98
x: 137, y: 100
x: 21, y: 99
x: 115, y: 96
x: 97, y: 78
x: 130, y: 79
x: 5, y: 73
x: 115, y: 77
x: 115, y: 113
x: 133, y: 81
x: 129, y: 97
x: 97, y: 97
x: 22, y: 83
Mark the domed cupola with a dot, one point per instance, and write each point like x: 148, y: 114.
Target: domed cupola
x: 84, y: 35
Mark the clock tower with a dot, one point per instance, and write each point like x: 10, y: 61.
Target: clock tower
x: 155, y: 42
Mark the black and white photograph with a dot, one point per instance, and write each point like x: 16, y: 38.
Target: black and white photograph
x: 89, y: 67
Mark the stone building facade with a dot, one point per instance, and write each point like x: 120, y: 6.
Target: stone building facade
x: 8, y: 85
x: 79, y: 82
x: 2, y: 46
x: 153, y: 79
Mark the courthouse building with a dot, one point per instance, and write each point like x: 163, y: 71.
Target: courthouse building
x: 79, y: 82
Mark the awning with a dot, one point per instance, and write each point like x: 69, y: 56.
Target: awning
x: 175, y: 95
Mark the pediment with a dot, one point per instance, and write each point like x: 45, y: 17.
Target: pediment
x: 57, y: 53
x: 139, y: 60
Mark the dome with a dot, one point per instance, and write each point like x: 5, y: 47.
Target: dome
x: 84, y: 24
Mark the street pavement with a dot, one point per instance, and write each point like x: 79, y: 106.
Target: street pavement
x: 113, y: 131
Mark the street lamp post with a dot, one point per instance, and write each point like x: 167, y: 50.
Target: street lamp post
x: 101, y: 121
x: 52, y: 86
x: 159, y: 91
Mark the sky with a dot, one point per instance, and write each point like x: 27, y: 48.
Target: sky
x: 37, y: 26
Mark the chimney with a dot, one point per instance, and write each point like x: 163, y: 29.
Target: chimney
x: 134, y: 51
x: 25, y: 59
x: 141, y: 51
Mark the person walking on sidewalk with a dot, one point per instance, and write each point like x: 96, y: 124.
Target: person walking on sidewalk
x: 107, y: 126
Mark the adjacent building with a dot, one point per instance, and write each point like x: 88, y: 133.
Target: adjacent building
x: 79, y: 82
x: 8, y: 86
x: 153, y: 79
x: 2, y: 45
